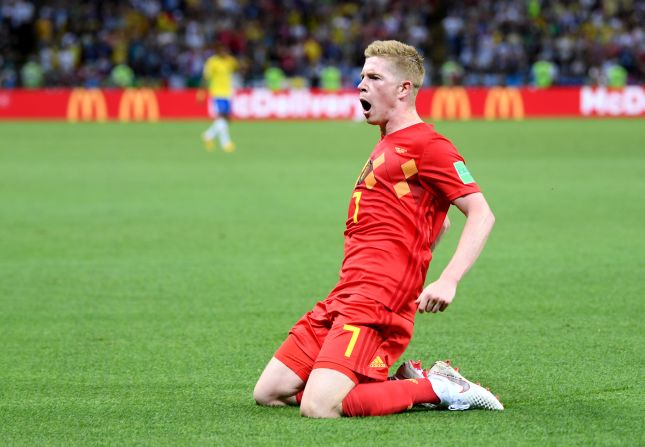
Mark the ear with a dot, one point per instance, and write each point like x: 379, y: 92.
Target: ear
x: 405, y: 89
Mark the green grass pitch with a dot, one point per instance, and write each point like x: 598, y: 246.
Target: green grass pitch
x: 145, y: 283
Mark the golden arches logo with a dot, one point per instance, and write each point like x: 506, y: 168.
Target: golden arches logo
x: 450, y: 103
x: 138, y: 105
x: 504, y: 103
x: 86, y: 105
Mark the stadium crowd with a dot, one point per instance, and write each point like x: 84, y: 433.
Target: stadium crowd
x: 468, y: 42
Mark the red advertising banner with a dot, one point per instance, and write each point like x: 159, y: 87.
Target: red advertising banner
x: 443, y: 103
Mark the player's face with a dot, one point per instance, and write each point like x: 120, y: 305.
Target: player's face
x: 378, y: 90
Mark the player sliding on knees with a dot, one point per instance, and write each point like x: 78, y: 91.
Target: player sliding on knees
x: 336, y: 358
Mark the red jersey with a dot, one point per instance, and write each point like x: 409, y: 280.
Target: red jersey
x: 396, y: 211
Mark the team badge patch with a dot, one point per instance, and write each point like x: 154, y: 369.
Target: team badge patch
x: 463, y: 173
x: 365, y: 172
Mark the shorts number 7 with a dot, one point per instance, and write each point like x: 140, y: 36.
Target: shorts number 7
x: 355, y: 331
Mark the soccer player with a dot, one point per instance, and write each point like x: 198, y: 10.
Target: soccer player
x: 218, y: 73
x: 336, y: 358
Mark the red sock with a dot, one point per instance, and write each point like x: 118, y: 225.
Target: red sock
x: 392, y: 396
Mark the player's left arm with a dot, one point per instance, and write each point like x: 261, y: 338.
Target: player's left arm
x: 479, y: 223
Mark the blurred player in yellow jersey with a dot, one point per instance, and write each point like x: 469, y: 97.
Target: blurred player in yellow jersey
x: 218, y: 74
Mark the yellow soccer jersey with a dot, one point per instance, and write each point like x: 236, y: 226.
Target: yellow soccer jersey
x: 218, y: 71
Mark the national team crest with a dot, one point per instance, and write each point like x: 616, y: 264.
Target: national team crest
x: 369, y: 166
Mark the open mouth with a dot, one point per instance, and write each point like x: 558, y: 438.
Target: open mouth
x: 366, y: 105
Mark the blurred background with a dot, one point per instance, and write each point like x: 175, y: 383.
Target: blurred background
x: 319, y: 43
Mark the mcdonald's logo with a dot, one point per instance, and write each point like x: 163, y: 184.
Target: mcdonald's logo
x: 450, y: 103
x: 504, y: 103
x: 138, y: 105
x: 86, y: 105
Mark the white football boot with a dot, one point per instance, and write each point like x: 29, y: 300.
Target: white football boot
x: 454, y: 390
x: 413, y: 370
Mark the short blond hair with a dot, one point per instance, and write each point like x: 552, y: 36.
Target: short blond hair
x: 406, y: 59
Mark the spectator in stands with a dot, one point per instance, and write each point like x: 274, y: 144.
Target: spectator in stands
x: 122, y: 76
x: 163, y: 41
x: 543, y: 73
x: 31, y: 74
x: 451, y: 73
x: 616, y: 75
x: 274, y: 78
x: 330, y: 78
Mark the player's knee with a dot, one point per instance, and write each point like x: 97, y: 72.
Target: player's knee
x: 313, y: 408
x: 263, y: 395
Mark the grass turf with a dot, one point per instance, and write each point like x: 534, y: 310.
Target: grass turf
x: 145, y: 283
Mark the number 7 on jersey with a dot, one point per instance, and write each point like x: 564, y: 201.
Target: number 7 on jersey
x: 357, y: 198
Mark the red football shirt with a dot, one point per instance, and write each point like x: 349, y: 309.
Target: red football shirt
x: 396, y: 211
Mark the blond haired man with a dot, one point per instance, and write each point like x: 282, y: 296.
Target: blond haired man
x: 336, y: 358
